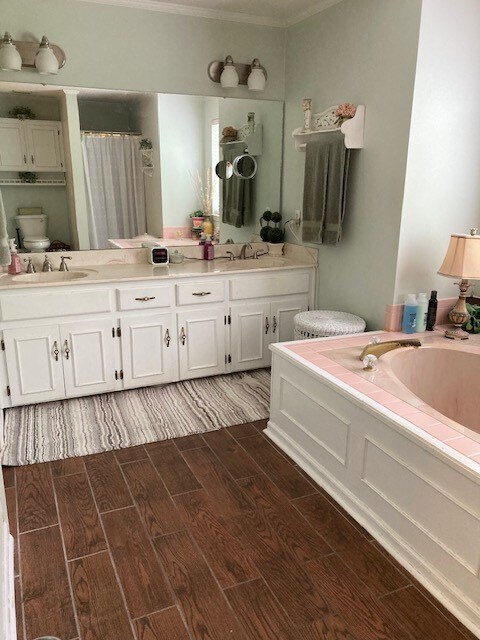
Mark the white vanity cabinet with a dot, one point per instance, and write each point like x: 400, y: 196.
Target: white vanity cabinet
x: 202, y: 342
x: 65, y: 341
x: 31, y: 145
x: 52, y: 362
x: 149, y: 349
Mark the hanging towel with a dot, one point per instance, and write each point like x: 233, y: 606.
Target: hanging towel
x: 236, y: 193
x: 325, y: 187
x: 5, y: 258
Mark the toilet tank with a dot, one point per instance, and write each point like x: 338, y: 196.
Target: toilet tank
x: 32, y: 226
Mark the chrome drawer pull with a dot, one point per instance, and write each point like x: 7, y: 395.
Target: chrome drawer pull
x: 66, y: 350
x: 267, y: 325
x: 274, y: 328
x: 145, y: 298
x: 202, y: 293
x: 183, y: 336
x: 167, y: 338
x: 56, y: 352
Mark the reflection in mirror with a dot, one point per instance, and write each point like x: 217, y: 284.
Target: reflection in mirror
x: 121, y: 169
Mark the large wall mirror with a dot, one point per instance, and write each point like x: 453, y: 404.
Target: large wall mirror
x: 98, y: 169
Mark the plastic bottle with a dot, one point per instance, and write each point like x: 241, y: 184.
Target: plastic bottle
x: 422, y: 309
x: 409, y: 314
x: 432, y: 311
x: 208, y: 249
x: 15, y: 266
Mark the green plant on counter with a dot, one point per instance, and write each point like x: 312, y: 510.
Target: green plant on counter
x: 473, y: 323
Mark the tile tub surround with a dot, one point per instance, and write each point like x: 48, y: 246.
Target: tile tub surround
x: 384, y: 393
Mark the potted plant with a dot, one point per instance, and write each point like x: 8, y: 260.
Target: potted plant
x: 22, y: 113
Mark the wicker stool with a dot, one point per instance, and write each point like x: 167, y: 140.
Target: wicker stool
x: 321, y: 324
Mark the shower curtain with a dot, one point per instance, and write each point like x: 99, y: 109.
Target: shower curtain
x: 114, y: 187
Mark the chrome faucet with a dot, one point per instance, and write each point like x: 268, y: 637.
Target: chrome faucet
x: 231, y: 256
x: 47, y: 265
x: 30, y: 265
x: 379, y: 348
x: 63, y: 264
x: 243, y: 251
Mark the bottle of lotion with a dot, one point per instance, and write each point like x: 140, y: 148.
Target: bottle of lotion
x: 15, y: 266
x: 409, y: 314
x: 421, y: 317
x: 208, y: 249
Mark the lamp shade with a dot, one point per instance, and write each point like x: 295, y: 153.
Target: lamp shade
x: 10, y: 59
x: 45, y: 60
x: 462, y: 259
x: 256, y: 80
x: 229, y: 78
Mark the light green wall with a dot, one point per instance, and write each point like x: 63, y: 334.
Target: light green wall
x: 96, y: 115
x: 442, y: 188
x: 124, y: 48
x: 361, y: 51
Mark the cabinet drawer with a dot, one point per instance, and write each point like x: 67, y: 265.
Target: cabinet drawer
x: 201, y: 292
x: 144, y: 297
x: 265, y: 286
x: 51, y: 305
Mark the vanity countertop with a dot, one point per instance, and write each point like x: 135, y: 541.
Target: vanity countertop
x: 114, y: 272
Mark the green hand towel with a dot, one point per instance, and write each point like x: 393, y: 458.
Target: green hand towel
x: 325, y: 187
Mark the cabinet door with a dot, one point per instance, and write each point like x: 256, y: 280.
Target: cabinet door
x: 88, y: 357
x: 201, y: 347
x: 282, y: 314
x: 13, y: 153
x: 149, y: 350
x: 250, y: 336
x: 44, y: 145
x: 34, y: 364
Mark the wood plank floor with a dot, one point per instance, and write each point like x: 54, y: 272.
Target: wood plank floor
x: 213, y: 537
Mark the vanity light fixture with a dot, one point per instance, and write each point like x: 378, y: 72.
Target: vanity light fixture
x: 45, y: 60
x: 229, y: 78
x: 10, y: 59
x: 462, y: 260
x: 230, y: 74
x: 16, y: 55
x: 256, y: 80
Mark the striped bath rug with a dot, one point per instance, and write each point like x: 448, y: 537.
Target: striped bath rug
x: 93, y: 424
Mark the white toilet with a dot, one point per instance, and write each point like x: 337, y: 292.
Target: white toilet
x: 33, y: 229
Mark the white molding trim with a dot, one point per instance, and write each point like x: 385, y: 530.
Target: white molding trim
x: 217, y: 14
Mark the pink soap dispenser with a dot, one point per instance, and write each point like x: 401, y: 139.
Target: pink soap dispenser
x: 208, y: 249
x: 15, y: 266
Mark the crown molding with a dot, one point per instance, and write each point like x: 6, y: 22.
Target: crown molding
x: 308, y: 13
x: 196, y: 12
x: 217, y: 14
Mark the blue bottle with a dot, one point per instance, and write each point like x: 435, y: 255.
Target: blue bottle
x: 409, y: 314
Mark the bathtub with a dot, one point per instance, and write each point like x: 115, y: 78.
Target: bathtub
x: 397, y: 447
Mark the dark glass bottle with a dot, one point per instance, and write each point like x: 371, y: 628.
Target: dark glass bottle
x: 432, y: 311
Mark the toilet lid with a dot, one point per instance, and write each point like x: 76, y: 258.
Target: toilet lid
x: 36, y: 239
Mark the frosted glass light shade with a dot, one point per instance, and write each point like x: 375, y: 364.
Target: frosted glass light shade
x: 10, y: 59
x: 46, y: 61
x: 462, y: 259
x: 229, y: 78
x: 256, y: 80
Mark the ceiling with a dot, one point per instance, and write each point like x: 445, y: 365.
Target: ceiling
x: 275, y: 13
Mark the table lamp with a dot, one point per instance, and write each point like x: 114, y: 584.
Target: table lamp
x: 462, y: 260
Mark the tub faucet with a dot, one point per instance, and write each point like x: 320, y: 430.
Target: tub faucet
x: 380, y: 348
x: 63, y: 264
x: 47, y: 265
x: 243, y: 251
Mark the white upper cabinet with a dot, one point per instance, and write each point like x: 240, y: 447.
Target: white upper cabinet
x: 31, y: 145
x: 13, y: 150
x: 43, y: 145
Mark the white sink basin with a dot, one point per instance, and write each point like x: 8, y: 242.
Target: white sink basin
x: 51, y: 276
x: 261, y: 263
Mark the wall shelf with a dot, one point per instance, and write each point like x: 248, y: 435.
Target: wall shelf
x: 16, y: 182
x: 352, y: 129
x: 253, y: 142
